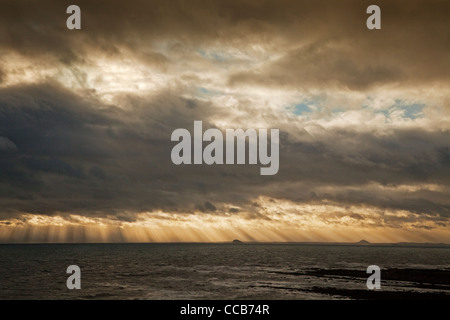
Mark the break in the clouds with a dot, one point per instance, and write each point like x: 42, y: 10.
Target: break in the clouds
x: 86, y: 118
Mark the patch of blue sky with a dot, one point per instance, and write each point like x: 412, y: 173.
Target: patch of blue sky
x: 206, y: 93
x: 301, y: 108
x: 214, y: 55
x: 383, y: 112
x: 410, y: 110
x: 202, y: 53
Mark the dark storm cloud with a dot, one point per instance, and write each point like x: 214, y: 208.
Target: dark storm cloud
x: 322, y: 42
x: 68, y: 154
x: 339, y: 51
x: 322, y: 64
x: 206, y: 207
x: 6, y: 144
x: 72, y: 154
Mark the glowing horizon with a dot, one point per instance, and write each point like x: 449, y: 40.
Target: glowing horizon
x: 310, y: 223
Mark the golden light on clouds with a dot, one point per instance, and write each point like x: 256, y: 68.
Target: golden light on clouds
x: 278, y: 221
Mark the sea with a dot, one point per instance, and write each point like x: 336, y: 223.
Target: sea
x: 222, y: 271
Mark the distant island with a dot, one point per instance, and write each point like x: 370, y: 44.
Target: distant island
x: 363, y: 243
x: 237, y: 241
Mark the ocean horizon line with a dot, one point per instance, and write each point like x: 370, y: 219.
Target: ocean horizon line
x: 239, y: 242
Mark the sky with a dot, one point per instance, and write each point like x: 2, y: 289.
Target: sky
x: 86, y: 118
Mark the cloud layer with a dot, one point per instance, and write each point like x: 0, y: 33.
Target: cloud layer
x: 86, y: 116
